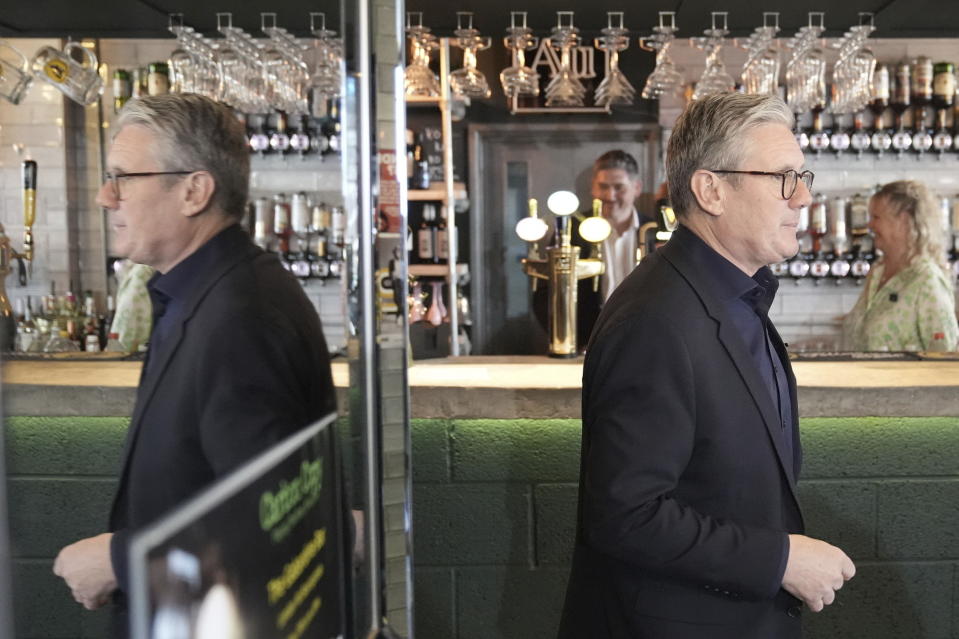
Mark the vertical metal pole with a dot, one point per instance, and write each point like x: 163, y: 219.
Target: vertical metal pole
x: 367, y: 317
x: 446, y: 116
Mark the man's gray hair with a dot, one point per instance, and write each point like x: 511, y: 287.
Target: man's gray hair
x: 195, y: 133
x: 710, y: 133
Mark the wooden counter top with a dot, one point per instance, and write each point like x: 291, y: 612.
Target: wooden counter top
x: 506, y: 387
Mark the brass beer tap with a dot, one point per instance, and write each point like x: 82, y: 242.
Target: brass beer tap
x: 563, y: 267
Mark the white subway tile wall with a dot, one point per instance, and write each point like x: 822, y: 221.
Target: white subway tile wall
x: 35, y: 129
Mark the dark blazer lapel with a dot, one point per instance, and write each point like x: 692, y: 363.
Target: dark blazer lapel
x: 150, y: 380
x: 739, y: 354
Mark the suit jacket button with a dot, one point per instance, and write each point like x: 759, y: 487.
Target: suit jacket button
x: 794, y: 611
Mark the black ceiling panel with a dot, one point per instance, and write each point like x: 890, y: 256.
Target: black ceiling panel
x: 150, y: 18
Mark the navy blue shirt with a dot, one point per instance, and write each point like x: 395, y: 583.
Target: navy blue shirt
x: 746, y: 301
x: 170, y: 291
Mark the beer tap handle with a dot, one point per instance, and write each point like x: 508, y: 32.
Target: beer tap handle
x: 29, y: 215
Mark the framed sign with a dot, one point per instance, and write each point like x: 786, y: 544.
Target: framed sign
x: 261, y: 553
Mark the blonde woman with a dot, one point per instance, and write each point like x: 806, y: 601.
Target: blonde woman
x: 908, y: 301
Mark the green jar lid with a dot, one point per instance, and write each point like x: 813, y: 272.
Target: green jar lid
x: 121, y: 74
x: 944, y: 67
x: 158, y: 67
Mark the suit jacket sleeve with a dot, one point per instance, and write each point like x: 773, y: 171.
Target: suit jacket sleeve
x: 255, y: 378
x: 640, y: 434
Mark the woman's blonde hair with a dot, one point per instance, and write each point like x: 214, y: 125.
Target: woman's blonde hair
x: 913, y: 198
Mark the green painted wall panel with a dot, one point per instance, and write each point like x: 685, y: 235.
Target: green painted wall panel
x: 889, y: 601
x: 431, y: 450
x: 554, y: 506
x: 842, y: 513
x: 455, y: 525
x: 433, y: 597
x: 516, y: 450
x: 45, y: 609
x: 509, y: 603
x: 65, y: 445
x: 47, y: 514
x: 880, y: 447
x: 919, y: 519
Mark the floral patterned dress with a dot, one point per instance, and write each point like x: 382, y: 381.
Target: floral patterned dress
x: 134, y: 311
x: 914, y: 311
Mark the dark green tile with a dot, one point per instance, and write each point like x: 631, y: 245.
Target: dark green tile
x: 431, y: 450
x: 470, y: 524
x: 44, y: 608
x: 919, y: 519
x: 544, y: 450
x: 65, y: 445
x: 433, y: 602
x: 880, y: 447
x: 842, y: 513
x: 889, y: 601
x: 46, y: 515
x: 509, y: 603
x: 554, y: 506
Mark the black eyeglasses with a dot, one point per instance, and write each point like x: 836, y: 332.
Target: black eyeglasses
x: 789, y: 177
x: 114, y: 178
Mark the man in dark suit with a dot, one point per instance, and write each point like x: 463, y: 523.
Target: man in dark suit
x: 237, y: 360
x: 616, y: 183
x: 688, y: 523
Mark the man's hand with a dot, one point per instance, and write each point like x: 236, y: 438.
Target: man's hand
x: 815, y: 570
x: 88, y: 570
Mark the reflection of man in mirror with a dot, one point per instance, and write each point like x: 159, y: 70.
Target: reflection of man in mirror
x: 237, y: 360
x: 616, y: 183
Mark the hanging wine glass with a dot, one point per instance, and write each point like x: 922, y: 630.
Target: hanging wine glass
x: 565, y: 89
x: 761, y: 70
x: 664, y: 78
x: 420, y: 80
x: 519, y: 79
x: 715, y: 79
x: 469, y: 81
x: 615, y: 88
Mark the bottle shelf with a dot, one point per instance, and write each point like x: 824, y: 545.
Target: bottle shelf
x: 436, y: 194
x: 419, y: 101
x: 436, y: 270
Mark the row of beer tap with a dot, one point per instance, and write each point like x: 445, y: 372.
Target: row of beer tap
x: 835, y: 243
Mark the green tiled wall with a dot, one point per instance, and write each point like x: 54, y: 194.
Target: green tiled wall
x: 494, y: 508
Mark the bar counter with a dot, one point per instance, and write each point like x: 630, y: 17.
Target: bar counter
x: 495, y: 453
x: 507, y: 387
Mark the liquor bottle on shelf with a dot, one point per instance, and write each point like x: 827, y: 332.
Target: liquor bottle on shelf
x: 410, y: 162
x: 881, y: 139
x: 901, y: 101
x: 320, y: 266
x: 26, y: 329
x: 331, y: 128
x: 922, y: 76
x: 262, y: 223
x: 280, y: 139
x: 122, y: 89
x: 300, y: 137
x: 421, y: 168
x: 337, y: 226
x: 839, y: 139
x: 259, y: 140
x: 818, y: 138
x: 442, y: 237
x: 299, y: 256
x: 839, y: 265
x: 281, y: 227
x: 860, y: 138
x: 158, y: 78
x: 943, y: 98
x: 426, y: 236
x: 798, y: 267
